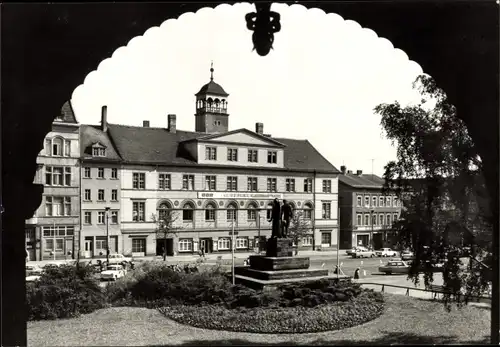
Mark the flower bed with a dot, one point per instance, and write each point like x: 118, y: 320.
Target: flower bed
x: 275, y: 320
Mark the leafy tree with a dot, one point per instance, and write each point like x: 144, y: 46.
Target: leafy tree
x: 299, y: 229
x: 166, y: 226
x: 438, y: 177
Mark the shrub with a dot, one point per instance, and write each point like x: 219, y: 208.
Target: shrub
x: 63, y: 292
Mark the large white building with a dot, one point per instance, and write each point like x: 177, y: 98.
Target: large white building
x: 211, y: 178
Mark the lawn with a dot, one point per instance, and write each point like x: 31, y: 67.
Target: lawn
x: 406, y: 321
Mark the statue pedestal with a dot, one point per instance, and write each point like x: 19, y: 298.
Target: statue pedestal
x: 279, y: 248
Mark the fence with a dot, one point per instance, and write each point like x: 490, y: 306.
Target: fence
x: 433, y: 292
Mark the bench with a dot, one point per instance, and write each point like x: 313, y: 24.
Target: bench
x: 437, y: 289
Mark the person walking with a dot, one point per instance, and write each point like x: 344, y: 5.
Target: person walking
x: 356, y: 274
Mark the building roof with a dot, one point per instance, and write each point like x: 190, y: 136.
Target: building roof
x: 91, y: 134
x: 67, y: 115
x: 145, y: 145
x: 212, y: 88
x: 362, y: 181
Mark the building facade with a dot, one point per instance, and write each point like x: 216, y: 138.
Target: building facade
x: 366, y: 213
x: 212, y: 180
x: 53, y: 232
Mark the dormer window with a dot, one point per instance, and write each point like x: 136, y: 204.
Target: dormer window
x: 272, y: 157
x: 98, y: 150
x: 210, y: 153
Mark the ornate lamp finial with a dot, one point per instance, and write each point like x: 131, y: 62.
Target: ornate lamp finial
x: 212, y: 71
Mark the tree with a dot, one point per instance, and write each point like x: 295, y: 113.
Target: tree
x: 165, y: 226
x: 299, y: 229
x: 438, y: 177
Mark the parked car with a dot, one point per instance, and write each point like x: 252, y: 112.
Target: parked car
x: 407, y: 255
x: 117, y: 258
x: 354, y: 249
x: 33, y: 270
x: 363, y: 254
x: 395, y: 266
x: 113, y: 272
x: 32, y: 278
x: 386, y: 252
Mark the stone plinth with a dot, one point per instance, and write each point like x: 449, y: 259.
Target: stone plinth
x: 259, y: 262
x: 270, y: 285
x: 279, y: 247
x: 279, y: 274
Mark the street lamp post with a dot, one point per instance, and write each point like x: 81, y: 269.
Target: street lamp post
x: 107, y: 235
x: 371, y: 236
x: 258, y: 233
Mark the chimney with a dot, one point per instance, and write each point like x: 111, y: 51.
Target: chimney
x: 104, y: 118
x: 343, y: 168
x: 145, y: 123
x: 349, y: 172
x: 172, y: 123
x: 359, y: 172
x: 259, y: 128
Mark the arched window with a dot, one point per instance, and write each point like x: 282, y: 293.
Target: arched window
x: 307, y: 210
x: 252, y: 212
x: 374, y: 201
x: 388, y: 218
x: 187, y: 212
x: 269, y: 211
x: 374, y: 219
x: 367, y: 219
x: 57, y: 146
x: 381, y: 201
x: 231, y: 212
x: 381, y: 219
x: 163, y: 210
x: 210, y: 212
x: 359, y: 220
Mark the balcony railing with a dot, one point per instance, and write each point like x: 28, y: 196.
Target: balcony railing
x: 213, y: 109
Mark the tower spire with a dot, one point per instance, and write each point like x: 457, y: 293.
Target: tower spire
x: 212, y: 70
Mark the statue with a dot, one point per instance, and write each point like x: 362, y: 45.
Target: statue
x: 264, y: 23
x: 275, y: 218
x: 286, y: 215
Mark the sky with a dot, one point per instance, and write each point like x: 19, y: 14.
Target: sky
x: 320, y: 83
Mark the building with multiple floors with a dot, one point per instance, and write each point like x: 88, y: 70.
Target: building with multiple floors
x: 212, y: 180
x: 366, y: 214
x: 53, y: 232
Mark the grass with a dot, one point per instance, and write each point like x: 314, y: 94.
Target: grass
x: 406, y: 320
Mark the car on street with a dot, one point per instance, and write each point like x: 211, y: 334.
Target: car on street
x: 113, y: 272
x: 407, y: 255
x: 353, y: 250
x: 33, y: 270
x: 395, y: 266
x: 32, y: 278
x: 363, y: 254
x: 386, y: 252
x: 116, y: 258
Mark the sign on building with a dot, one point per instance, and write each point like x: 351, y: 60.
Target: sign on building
x: 220, y: 195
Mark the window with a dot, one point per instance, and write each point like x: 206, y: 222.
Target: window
x: 185, y: 245
x: 394, y: 217
x: 100, y: 195
x: 101, y: 243
x: 374, y: 201
x: 252, y: 184
x: 57, y: 144
x: 114, y: 217
x: 242, y: 242
x: 326, y: 210
x: 164, y: 181
x: 98, y: 152
x: 163, y: 210
x: 271, y: 184
x: 252, y: 156
x: 290, y: 184
x: 367, y: 201
x: 49, y: 244
x: 388, y: 201
x: 232, y: 183
x: 326, y: 239
x: 86, y: 172
x: 101, y: 217
x: 327, y: 186
x: 210, y: 183
x: 232, y: 154
x: 211, y: 153
x: 138, y: 211
x: 187, y: 213
x: 87, y: 217
x: 210, y: 213
x: 269, y: 211
x: 114, y: 173
x: 307, y: 211
x: 100, y: 172
x: 359, y: 201
x: 374, y: 219
x: 307, y: 241
x: 359, y: 219
x: 272, y: 157
x: 224, y: 243
x: 231, y: 213
x: 138, y: 245
x: 60, y: 230
x: 395, y: 202
x: 251, y: 213
x: 58, y: 205
x: 88, y: 195
x: 381, y: 219
x: 114, y: 194
x: 57, y: 176
x: 388, y: 218
x: 138, y: 180
x: 367, y: 219
x: 188, y: 182
x: 308, y: 183
x: 381, y: 201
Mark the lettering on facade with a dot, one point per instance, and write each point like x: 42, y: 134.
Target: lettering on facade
x: 203, y: 195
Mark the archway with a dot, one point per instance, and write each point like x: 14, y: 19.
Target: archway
x: 34, y: 89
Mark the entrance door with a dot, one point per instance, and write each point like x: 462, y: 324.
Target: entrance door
x: 363, y: 240
x: 378, y: 241
x: 165, y: 245
x: 206, y: 245
x: 88, y: 250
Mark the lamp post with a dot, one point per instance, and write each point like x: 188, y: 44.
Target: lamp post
x: 258, y: 233
x: 107, y: 235
x: 371, y: 236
